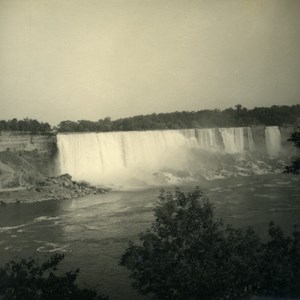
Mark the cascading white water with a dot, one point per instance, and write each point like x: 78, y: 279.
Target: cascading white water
x: 233, y: 139
x: 207, y: 139
x: 105, y: 158
x: 273, y: 140
x: 250, y: 139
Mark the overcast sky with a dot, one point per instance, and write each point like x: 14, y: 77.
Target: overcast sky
x: 88, y: 59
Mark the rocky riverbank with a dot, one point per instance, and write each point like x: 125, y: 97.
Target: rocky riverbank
x: 26, y: 176
x: 51, y: 188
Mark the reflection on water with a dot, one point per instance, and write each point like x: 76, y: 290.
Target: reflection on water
x: 94, y: 231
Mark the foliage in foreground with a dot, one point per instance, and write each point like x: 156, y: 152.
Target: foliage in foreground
x: 27, y: 279
x: 294, y: 167
x: 187, y: 254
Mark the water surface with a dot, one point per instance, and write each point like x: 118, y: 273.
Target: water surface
x: 94, y: 231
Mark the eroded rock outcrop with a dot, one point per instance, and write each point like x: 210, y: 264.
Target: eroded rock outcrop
x: 51, y: 188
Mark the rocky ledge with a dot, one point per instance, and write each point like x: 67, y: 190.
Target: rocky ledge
x: 51, y: 188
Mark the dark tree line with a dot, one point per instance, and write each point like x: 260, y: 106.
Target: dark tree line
x: 25, y: 125
x: 230, y: 117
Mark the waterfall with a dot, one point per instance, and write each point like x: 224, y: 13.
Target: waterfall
x: 250, y: 139
x: 233, y: 139
x: 207, y: 139
x: 273, y: 140
x: 98, y: 157
x: 106, y: 157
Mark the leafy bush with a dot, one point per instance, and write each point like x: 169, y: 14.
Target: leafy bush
x: 27, y: 279
x: 294, y: 167
x: 187, y: 254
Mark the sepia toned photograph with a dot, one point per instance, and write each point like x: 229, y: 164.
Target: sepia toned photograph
x: 149, y: 149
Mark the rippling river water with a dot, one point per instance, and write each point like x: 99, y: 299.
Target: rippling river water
x: 94, y: 231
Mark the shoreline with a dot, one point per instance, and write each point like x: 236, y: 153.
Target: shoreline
x: 52, y: 188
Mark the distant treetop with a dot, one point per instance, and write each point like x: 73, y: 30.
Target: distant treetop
x: 25, y: 125
x: 230, y: 117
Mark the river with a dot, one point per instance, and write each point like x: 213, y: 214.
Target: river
x: 94, y: 231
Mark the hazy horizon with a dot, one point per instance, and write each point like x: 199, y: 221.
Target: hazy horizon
x: 74, y: 60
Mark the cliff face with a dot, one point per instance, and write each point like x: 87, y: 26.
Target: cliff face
x: 16, y: 141
x: 25, y: 158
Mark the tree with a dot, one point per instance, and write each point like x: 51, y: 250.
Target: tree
x: 187, y: 254
x: 13, y: 125
x: 294, y: 167
x: 27, y: 279
x: 238, y: 107
x: 68, y: 126
x: 27, y: 125
x: 241, y: 116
